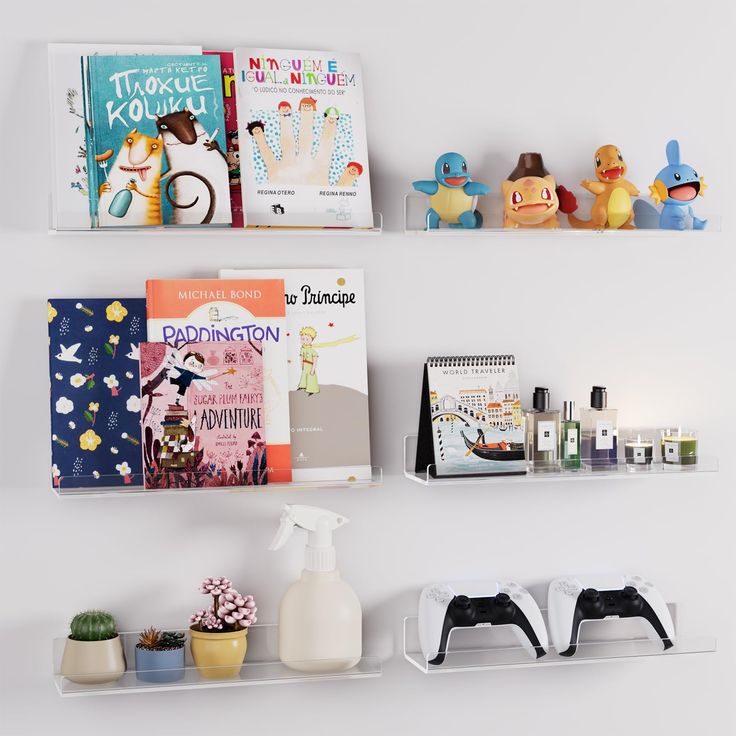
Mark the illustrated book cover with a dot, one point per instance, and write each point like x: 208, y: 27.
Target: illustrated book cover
x: 328, y: 379
x: 212, y: 310
x: 231, y: 133
x: 202, y: 414
x: 156, y: 144
x: 95, y: 401
x: 470, y: 420
x: 302, y: 127
x: 69, y: 185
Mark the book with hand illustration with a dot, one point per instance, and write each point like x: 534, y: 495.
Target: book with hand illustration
x: 303, y: 138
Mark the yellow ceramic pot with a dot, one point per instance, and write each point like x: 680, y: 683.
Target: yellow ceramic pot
x: 218, y: 654
x: 93, y: 662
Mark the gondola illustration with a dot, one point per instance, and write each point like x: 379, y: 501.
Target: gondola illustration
x: 503, y: 451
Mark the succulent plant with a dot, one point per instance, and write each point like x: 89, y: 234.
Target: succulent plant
x: 149, y: 639
x: 229, y: 611
x: 93, y: 626
x: 172, y: 640
x: 158, y: 641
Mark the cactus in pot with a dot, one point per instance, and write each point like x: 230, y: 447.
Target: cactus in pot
x: 93, y: 653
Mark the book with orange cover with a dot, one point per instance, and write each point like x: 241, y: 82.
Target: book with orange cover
x: 182, y: 311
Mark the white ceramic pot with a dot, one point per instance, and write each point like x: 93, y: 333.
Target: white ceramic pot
x: 93, y: 662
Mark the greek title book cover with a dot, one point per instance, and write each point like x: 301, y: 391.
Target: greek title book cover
x: 95, y: 403
x: 202, y: 414
x: 212, y: 310
x: 156, y: 152
x: 302, y: 130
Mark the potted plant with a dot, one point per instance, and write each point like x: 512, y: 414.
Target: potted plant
x: 218, y: 633
x: 159, y: 656
x: 93, y: 653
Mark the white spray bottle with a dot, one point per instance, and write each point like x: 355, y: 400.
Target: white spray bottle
x: 320, y: 619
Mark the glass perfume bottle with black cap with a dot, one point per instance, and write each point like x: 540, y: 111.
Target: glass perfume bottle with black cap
x: 599, y: 430
x: 542, y: 432
x: 569, y: 437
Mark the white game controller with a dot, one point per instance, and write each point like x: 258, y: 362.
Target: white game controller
x: 572, y: 600
x: 447, y: 606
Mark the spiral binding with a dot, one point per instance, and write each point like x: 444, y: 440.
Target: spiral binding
x: 470, y: 361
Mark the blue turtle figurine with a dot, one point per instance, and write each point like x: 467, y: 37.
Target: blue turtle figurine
x: 452, y: 194
x: 676, y: 186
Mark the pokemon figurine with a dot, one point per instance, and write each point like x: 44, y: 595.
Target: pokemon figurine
x: 612, y: 207
x: 529, y: 195
x: 676, y: 186
x: 452, y: 194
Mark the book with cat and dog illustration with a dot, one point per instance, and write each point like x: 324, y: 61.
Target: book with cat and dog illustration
x: 156, y: 142
x: 470, y: 420
x: 303, y: 139
x: 69, y: 187
x: 202, y: 414
x: 212, y: 310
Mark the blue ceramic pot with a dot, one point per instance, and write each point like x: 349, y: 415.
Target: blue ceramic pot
x: 159, y: 666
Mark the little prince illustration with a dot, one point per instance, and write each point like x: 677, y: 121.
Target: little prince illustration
x: 308, y: 354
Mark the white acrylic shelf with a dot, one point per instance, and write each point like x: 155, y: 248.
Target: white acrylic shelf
x: 225, y: 231
x: 620, y: 470
x: 261, y: 667
x: 70, y: 488
x: 496, y: 648
x: 491, y: 207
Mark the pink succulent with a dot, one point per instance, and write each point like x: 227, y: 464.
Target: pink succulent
x: 214, y: 586
x: 206, y: 620
x: 234, y: 608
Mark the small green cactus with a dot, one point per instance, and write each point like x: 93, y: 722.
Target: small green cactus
x: 93, y: 626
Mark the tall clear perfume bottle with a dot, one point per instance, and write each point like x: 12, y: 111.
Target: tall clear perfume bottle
x: 569, y: 437
x: 542, y: 432
x: 599, y: 430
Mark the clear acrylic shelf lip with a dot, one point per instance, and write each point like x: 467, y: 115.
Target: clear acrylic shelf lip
x: 261, y: 667
x: 492, y: 648
x: 491, y: 207
x: 621, y: 469
x: 70, y: 488
x: 178, y: 230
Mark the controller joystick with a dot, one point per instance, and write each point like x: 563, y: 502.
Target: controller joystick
x: 449, y: 606
x: 574, y: 600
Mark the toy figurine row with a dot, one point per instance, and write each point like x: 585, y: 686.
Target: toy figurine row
x: 532, y: 198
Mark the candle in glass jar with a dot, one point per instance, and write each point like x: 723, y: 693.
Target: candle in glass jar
x: 639, y: 451
x: 679, y: 447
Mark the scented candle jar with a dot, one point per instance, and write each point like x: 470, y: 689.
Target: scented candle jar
x: 679, y: 446
x: 639, y: 452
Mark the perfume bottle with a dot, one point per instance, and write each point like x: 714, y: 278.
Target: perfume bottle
x: 599, y: 430
x: 569, y: 437
x: 542, y: 432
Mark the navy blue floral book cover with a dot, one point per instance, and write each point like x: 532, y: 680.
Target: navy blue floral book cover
x: 94, y: 359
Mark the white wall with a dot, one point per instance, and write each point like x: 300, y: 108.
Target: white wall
x: 651, y: 318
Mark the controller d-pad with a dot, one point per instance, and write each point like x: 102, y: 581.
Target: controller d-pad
x: 567, y: 588
x: 441, y: 595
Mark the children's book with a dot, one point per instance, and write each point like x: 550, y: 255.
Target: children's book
x: 156, y: 150
x: 302, y: 124
x: 328, y: 381
x: 202, y: 414
x: 470, y: 420
x: 69, y: 185
x: 211, y: 310
x: 95, y: 402
x: 231, y: 134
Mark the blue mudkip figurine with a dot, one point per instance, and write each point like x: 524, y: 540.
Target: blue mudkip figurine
x: 676, y: 186
x: 452, y: 195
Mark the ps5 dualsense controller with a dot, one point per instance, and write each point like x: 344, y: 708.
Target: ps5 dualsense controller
x: 573, y: 600
x: 447, y: 606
